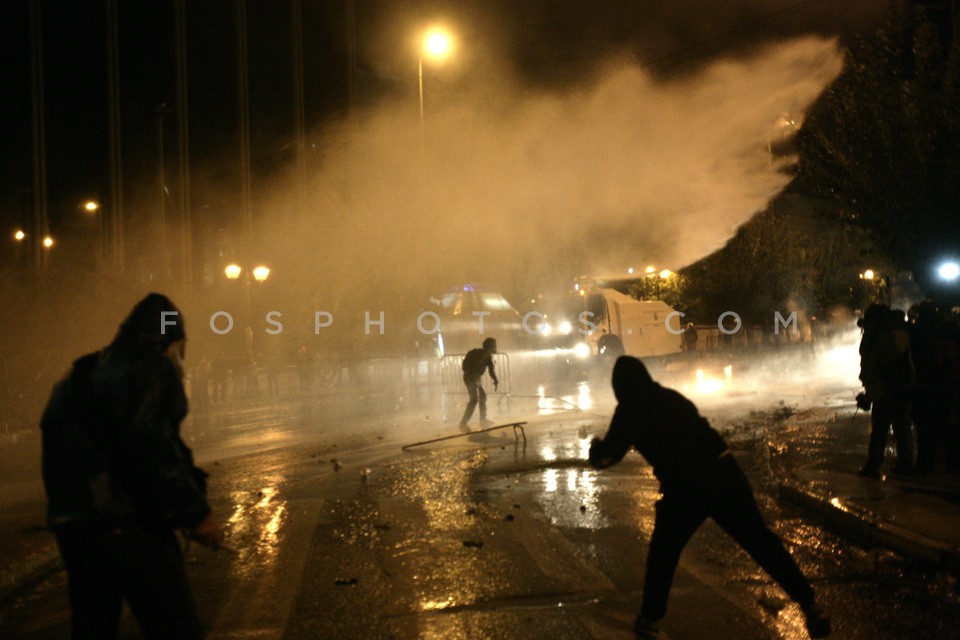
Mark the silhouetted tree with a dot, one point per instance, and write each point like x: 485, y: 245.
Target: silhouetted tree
x: 883, y: 141
x: 794, y: 255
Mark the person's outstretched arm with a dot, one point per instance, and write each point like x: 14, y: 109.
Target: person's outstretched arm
x: 156, y: 456
x: 493, y: 374
x: 610, y: 450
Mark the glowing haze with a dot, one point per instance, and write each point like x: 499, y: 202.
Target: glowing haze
x: 524, y: 191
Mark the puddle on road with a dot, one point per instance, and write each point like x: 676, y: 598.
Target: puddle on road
x: 570, y: 499
x: 568, y: 491
x: 549, y: 405
x: 255, y: 528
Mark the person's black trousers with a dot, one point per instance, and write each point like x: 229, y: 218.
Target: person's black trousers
x: 723, y: 494
x: 931, y: 413
x: 107, y: 566
x: 893, y: 409
x: 477, y: 395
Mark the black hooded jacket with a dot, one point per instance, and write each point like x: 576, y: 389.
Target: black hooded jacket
x: 662, y: 425
x: 112, y: 450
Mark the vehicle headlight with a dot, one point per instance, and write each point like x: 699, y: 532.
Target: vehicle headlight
x: 582, y: 350
x: 545, y: 329
x: 565, y: 328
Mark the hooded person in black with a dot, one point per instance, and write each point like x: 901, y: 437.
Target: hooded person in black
x: 699, y: 479
x: 888, y: 376
x: 120, y: 480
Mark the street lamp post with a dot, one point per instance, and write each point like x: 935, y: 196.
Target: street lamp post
x: 47, y: 243
x: 879, y: 286
x: 651, y: 276
x: 664, y: 276
x: 437, y: 44
x: 92, y: 207
x: 260, y: 273
x: 161, y: 110
x: 18, y: 237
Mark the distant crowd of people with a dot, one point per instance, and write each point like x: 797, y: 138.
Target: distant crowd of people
x: 257, y: 376
x: 910, y: 370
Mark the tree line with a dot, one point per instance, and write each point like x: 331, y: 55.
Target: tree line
x: 876, y: 184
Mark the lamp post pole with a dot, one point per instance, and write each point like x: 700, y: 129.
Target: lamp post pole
x: 436, y: 45
x: 420, y: 76
x: 93, y: 208
x: 162, y: 186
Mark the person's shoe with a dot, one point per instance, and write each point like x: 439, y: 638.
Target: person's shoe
x: 646, y: 629
x: 487, y: 423
x: 465, y: 426
x: 818, y: 624
x: 868, y: 472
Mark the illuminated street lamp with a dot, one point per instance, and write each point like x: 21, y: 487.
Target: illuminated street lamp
x: 436, y: 46
x: 47, y: 242
x: 92, y: 208
x: 658, y: 278
x: 261, y: 273
x: 949, y: 271
x: 18, y: 236
x: 876, y: 284
x: 233, y: 271
x: 437, y: 43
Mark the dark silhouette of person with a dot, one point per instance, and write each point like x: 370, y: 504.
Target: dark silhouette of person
x: 887, y: 374
x: 932, y: 401
x: 474, y: 364
x: 699, y: 479
x: 689, y: 342
x: 951, y: 359
x: 120, y: 481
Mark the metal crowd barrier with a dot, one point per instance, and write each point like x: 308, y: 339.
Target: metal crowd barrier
x: 516, y: 426
x: 451, y: 379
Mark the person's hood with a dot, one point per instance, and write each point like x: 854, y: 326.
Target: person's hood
x: 630, y: 377
x: 154, y: 324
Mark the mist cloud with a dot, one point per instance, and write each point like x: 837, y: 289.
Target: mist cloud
x: 521, y: 190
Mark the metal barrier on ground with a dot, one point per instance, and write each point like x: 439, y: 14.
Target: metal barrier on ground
x: 516, y: 426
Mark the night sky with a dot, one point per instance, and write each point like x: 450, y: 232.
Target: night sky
x: 552, y: 45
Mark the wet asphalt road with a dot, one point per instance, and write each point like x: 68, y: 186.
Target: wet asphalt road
x: 334, y: 532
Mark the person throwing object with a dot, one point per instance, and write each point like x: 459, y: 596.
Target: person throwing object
x: 699, y: 479
x: 474, y: 364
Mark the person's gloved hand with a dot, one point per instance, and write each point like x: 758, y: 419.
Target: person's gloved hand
x: 208, y: 532
x: 597, y: 458
x: 594, y: 457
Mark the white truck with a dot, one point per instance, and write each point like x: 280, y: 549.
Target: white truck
x: 625, y: 326
x: 610, y: 323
